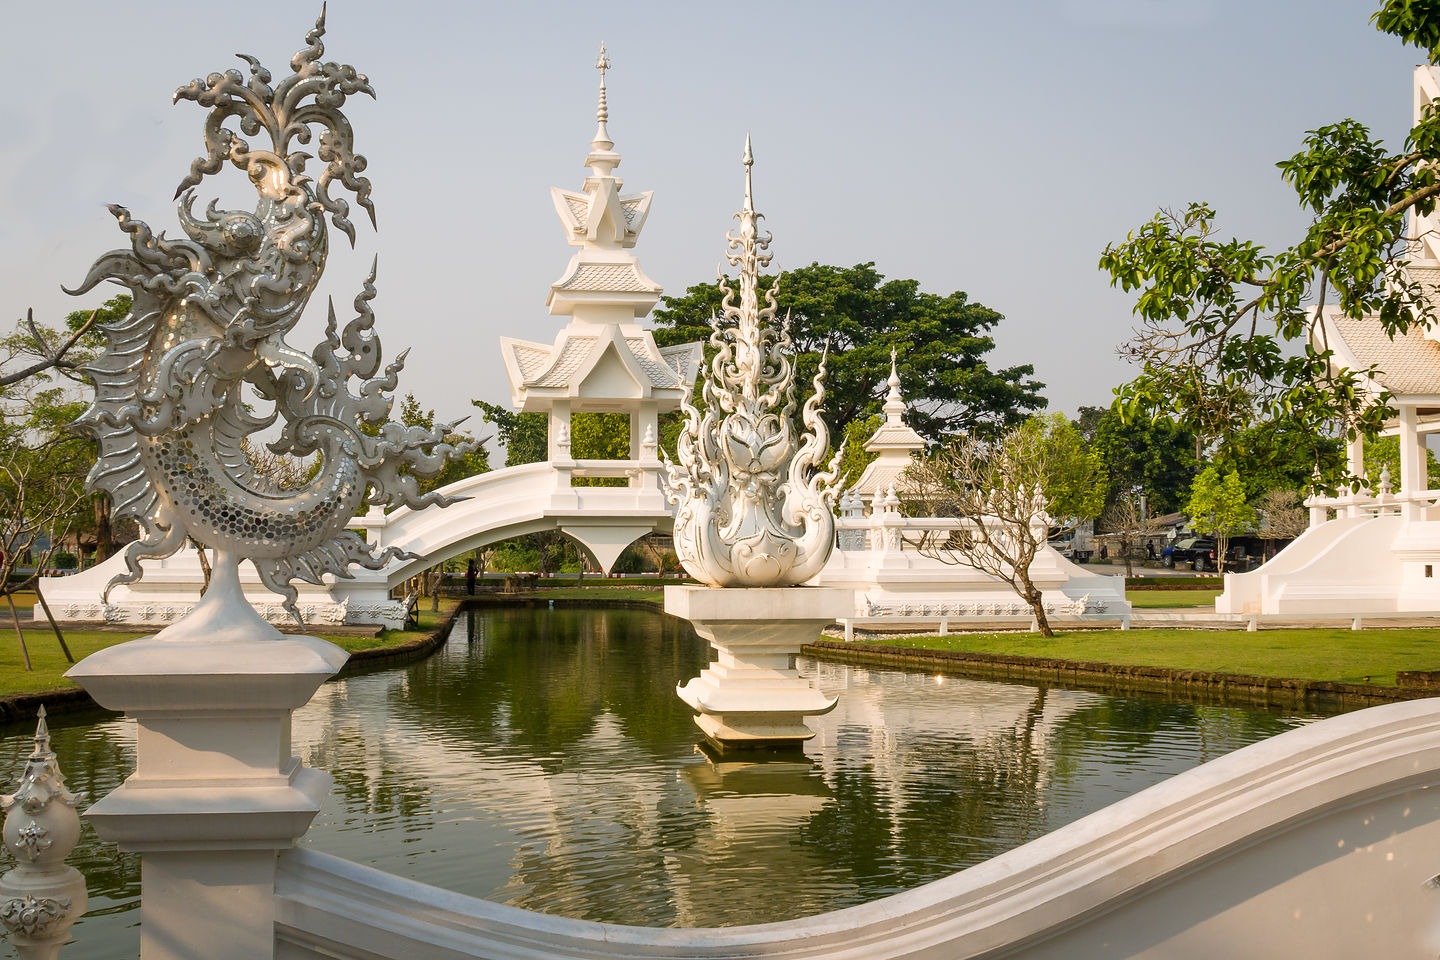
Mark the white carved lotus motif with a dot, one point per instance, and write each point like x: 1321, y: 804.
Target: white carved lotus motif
x: 753, y: 506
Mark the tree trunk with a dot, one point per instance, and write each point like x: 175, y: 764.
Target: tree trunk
x: 1129, y: 564
x: 1036, y: 600
x: 204, y: 565
x: 104, y: 533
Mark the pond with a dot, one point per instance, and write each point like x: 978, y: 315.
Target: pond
x: 542, y: 759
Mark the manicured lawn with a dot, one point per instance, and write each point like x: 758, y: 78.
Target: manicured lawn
x: 50, y: 665
x: 1348, y: 656
x: 1149, y: 599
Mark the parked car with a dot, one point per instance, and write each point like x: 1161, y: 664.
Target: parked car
x: 1199, y: 552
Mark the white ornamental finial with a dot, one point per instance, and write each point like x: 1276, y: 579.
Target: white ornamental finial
x: 42, y: 897
x: 894, y: 402
x: 753, y: 504
x: 602, y: 111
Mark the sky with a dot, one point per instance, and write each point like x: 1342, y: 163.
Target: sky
x: 989, y: 148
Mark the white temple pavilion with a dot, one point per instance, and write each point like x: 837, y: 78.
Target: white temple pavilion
x: 602, y: 361
x: 1371, y: 551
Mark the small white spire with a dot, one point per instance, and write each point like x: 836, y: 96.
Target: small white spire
x: 603, y: 158
x: 749, y: 161
x: 894, y: 402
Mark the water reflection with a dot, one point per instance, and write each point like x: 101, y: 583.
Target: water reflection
x: 542, y: 759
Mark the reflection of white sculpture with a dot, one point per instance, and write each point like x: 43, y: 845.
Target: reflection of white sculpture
x: 754, y: 519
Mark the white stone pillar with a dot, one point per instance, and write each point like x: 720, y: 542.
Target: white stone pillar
x: 751, y: 697
x: 646, y: 418
x: 1355, y: 466
x: 216, y: 793
x: 1412, y: 462
x: 558, y: 442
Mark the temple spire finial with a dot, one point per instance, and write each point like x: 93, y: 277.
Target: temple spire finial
x: 749, y: 161
x: 603, y: 158
x: 894, y: 401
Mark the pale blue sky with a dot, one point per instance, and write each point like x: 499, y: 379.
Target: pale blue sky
x: 985, y: 147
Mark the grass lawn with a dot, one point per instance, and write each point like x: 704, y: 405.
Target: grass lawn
x: 1149, y: 599
x: 1347, y: 656
x: 50, y: 665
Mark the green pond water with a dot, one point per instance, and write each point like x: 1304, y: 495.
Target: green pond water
x: 542, y: 759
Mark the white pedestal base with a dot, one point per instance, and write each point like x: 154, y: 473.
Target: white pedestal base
x: 216, y: 793
x: 751, y: 697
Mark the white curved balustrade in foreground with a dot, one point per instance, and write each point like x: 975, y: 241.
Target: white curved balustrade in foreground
x: 1321, y: 842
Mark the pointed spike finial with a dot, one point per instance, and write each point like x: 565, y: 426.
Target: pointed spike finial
x: 602, y: 63
x: 602, y: 142
x: 42, y: 736
x: 749, y: 161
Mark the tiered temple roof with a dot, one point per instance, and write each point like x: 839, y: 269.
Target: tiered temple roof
x: 603, y: 357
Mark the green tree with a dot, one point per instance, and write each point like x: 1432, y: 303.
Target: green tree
x: 1279, y: 456
x: 942, y: 342
x: 1142, y: 456
x: 525, y: 436
x: 1218, y: 507
x: 856, y: 458
x: 1384, y: 452
x: 1228, y: 324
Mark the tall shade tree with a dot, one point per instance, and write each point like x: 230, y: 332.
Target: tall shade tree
x: 1218, y: 508
x: 942, y: 343
x: 1143, y: 456
x: 1004, y: 492
x: 1226, y: 325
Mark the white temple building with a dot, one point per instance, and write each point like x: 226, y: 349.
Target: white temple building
x: 1371, y: 551
x: 896, y: 584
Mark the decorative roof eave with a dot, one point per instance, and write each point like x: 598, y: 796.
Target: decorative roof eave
x: 583, y: 215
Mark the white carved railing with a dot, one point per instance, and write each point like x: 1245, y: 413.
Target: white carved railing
x: 1321, y: 842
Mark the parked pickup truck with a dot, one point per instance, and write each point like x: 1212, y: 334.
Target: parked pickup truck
x: 1196, y: 551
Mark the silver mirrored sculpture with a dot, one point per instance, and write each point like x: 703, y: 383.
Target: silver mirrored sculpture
x: 200, y: 365
x: 753, y: 507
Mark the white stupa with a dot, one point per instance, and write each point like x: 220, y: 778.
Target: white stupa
x: 895, y: 442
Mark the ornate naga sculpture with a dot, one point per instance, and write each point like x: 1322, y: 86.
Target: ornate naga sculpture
x: 753, y: 510
x: 179, y: 382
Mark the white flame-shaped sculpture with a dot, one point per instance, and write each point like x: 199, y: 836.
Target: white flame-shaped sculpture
x: 754, y: 509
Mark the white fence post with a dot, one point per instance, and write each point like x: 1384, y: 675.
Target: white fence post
x: 216, y: 793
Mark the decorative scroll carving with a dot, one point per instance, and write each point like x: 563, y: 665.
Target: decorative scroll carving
x: 206, y: 336
x: 753, y: 508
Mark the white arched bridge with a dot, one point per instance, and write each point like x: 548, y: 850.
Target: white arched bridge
x: 497, y: 505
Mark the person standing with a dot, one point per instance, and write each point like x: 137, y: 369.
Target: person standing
x: 470, y: 573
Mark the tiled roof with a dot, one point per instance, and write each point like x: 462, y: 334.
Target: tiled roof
x: 564, y: 367
x: 606, y: 277
x: 895, y: 435
x: 530, y: 360
x: 682, y: 359
x: 880, y: 477
x: 660, y: 374
x: 1409, y: 363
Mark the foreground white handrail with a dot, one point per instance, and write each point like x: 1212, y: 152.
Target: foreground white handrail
x: 1320, y: 842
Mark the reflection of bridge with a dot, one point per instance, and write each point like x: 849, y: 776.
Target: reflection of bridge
x: 531, y: 498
